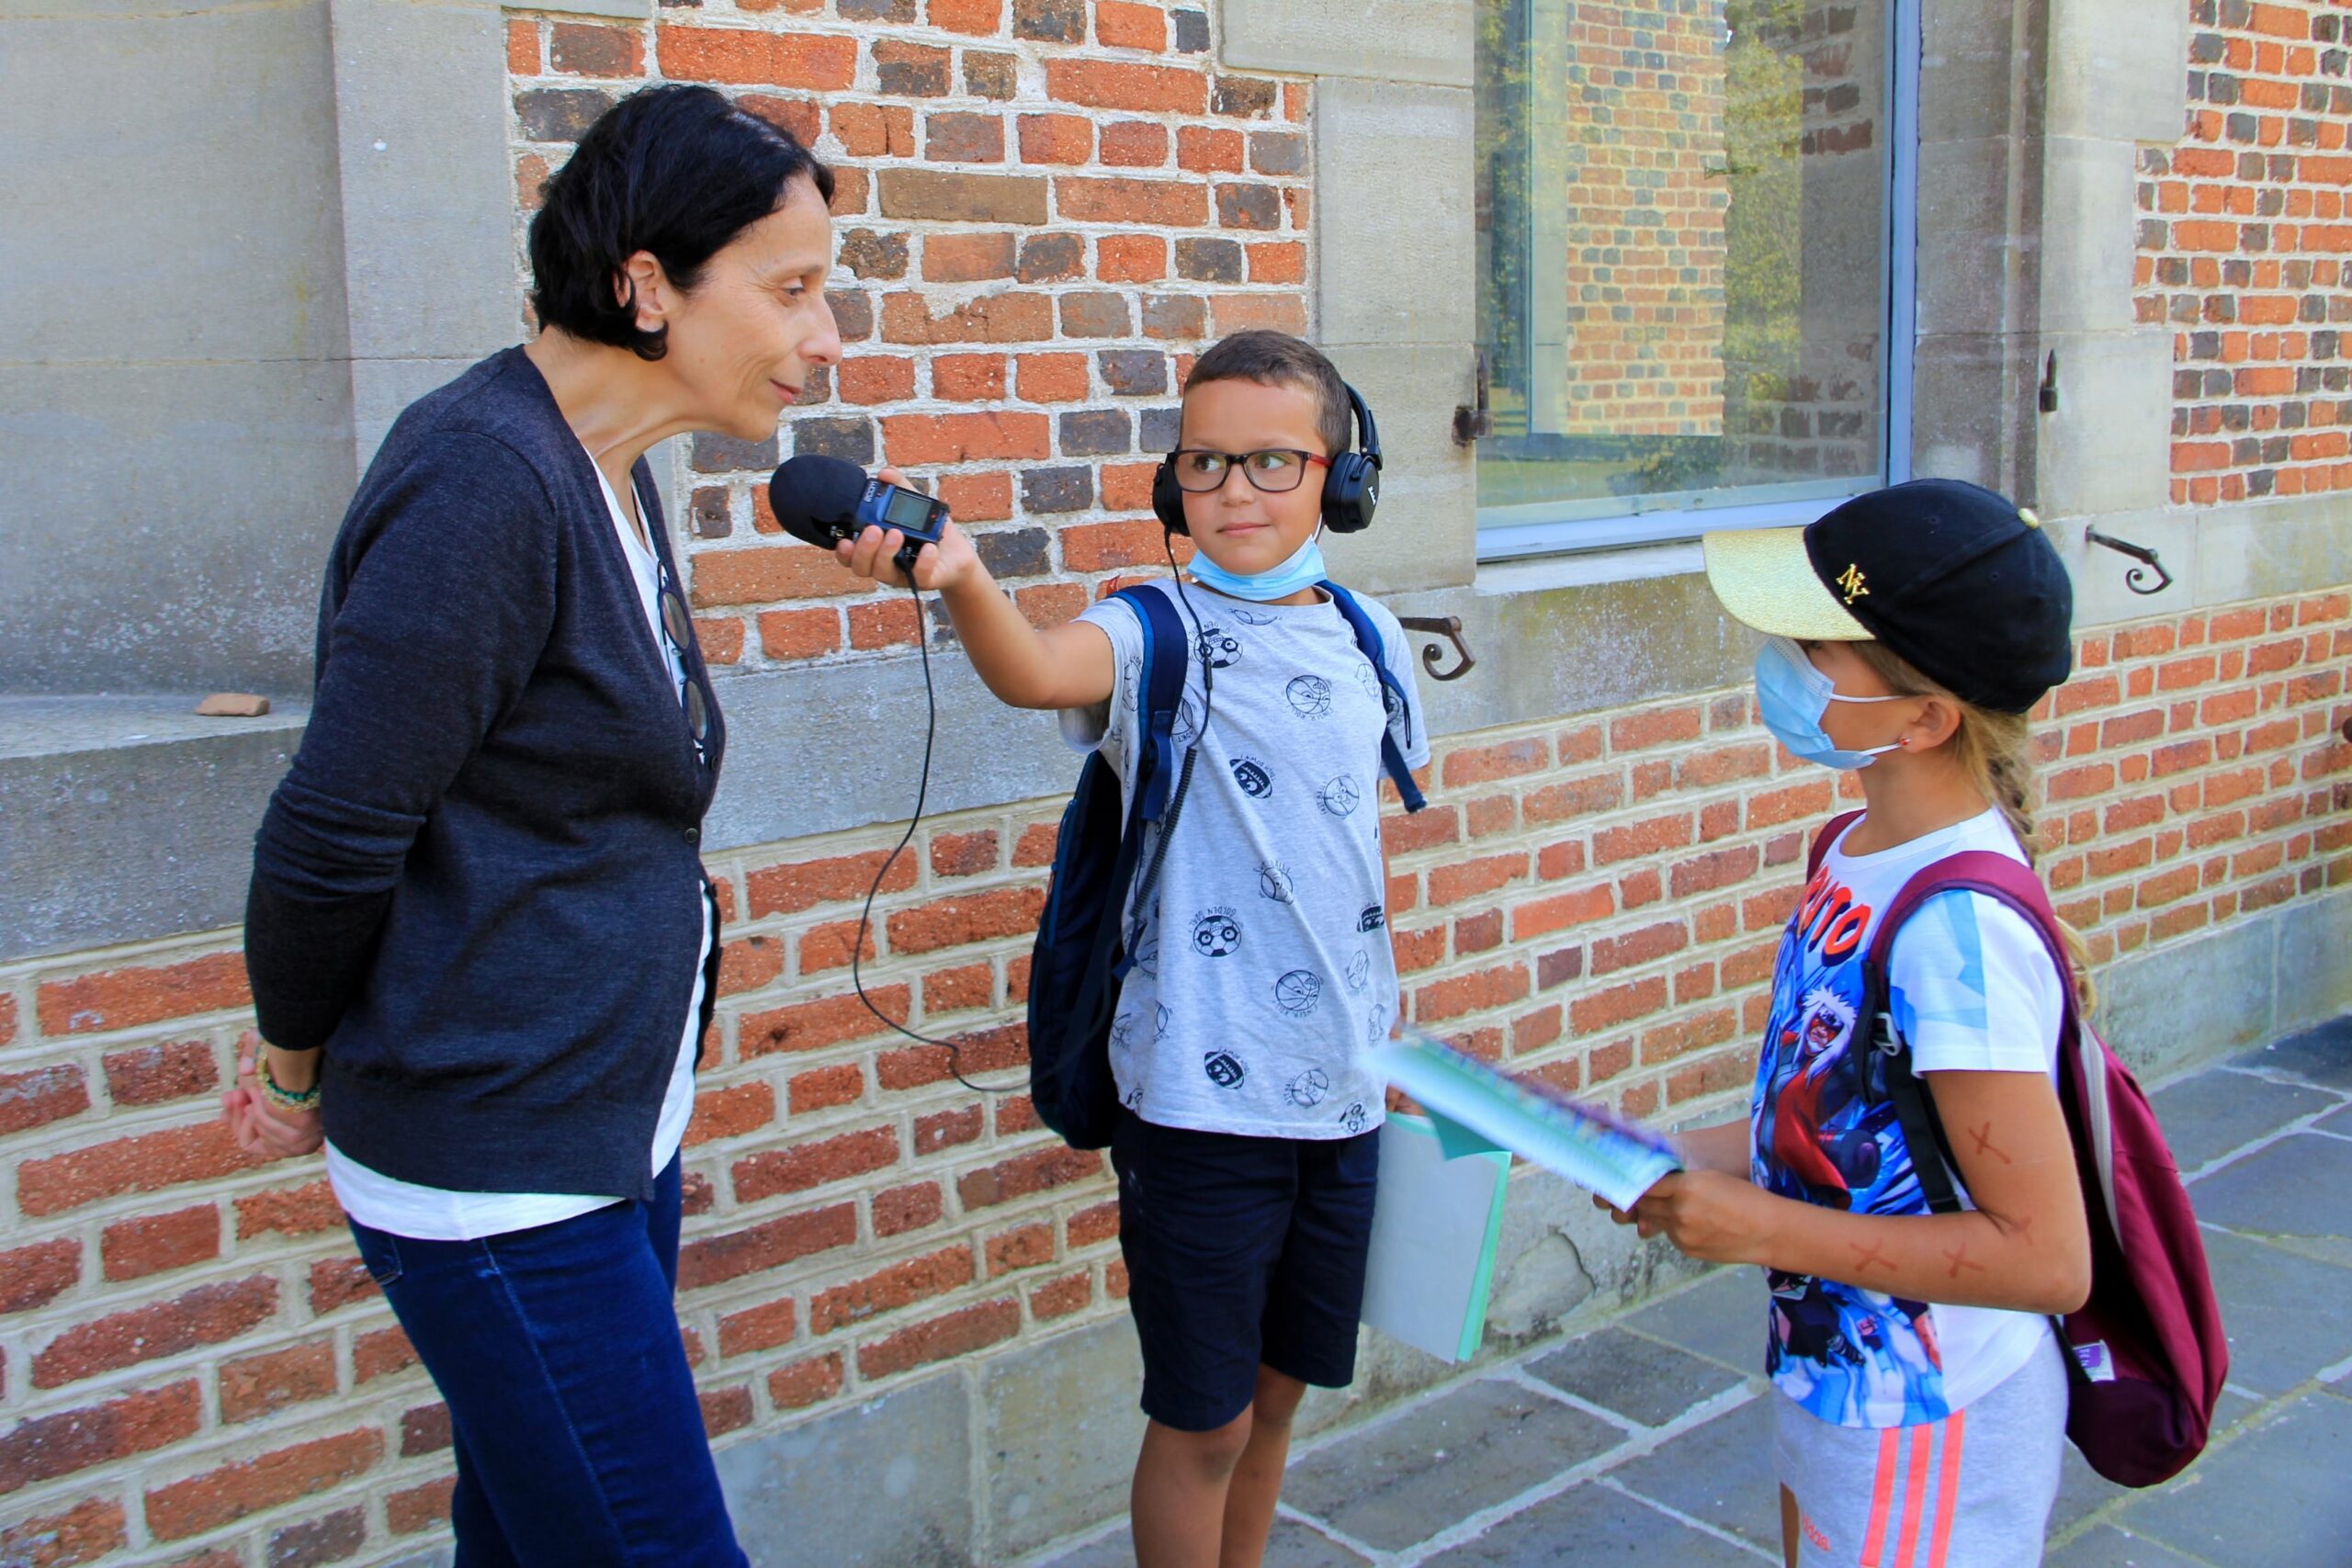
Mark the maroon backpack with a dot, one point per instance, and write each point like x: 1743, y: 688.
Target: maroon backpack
x: 2148, y: 1353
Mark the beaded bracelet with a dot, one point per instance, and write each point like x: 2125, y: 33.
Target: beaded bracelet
x: 285, y: 1099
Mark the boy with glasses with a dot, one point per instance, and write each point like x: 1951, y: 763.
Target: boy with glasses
x: 1247, y: 1144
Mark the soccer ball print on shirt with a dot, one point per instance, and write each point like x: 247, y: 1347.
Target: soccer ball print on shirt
x: 1216, y: 932
x: 1849, y: 1354
x: 1265, y: 933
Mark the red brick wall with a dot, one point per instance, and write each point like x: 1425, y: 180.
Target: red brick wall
x: 192, y: 1357
x: 1044, y: 207
x: 2243, y: 245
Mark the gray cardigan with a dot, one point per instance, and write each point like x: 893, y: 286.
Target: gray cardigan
x: 478, y: 887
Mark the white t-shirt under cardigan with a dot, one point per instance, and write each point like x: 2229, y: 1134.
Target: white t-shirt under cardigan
x: 436, y: 1213
x: 1263, y: 975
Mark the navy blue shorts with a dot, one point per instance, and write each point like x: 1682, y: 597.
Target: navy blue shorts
x: 1240, y: 1251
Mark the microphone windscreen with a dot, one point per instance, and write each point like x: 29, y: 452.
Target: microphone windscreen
x: 811, y: 495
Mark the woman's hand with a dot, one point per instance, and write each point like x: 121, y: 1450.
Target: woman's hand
x: 262, y: 1129
x: 873, y: 553
x: 1708, y: 1215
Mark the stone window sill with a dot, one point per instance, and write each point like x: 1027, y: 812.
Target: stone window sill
x: 129, y: 818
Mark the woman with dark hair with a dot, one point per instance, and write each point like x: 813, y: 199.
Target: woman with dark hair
x: 481, y: 942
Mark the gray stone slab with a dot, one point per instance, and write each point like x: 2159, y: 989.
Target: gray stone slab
x: 2210, y: 1113
x: 1553, y: 1258
x: 2082, y: 1492
x: 2234, y: 1408
x: 2115, y: 69
x: 2103, y: 593
x: 2104, y: 1546
x: 2193, y: 998
x: 1546, y: 652
x: 168, y: 522
x: 2321, y: 1055
x: 156, y: 226
x: 2275, y: 1495
x: 1722, y: 1318
x: 2280, y: 547
x: 1292, y: 1545
x: 1425, y: 535
x: 1972, y: 394
x: 1720, y: 1472
x: 126, y: 820
x: 2338, y: 1123
x: 1965, y: 201
x: 1400, y: 40
x: 1371, y: 138
x: 2085, y: 266
x: 2287, y: 1316
x: 1470, y: 1448
x: 885, y: 1483
x: 1590, y: 1523
x: 1060, y: 1430
x: 2118, y: 460
x: 2314, y: 933
x: 427, y: 178
x: 1639, y: 1379
x: 2298, y: 1192
x: 1969, y: 74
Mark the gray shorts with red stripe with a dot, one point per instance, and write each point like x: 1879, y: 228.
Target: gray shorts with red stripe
x: 1973, y: 1490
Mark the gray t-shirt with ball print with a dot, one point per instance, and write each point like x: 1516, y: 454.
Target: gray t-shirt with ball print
x: 1263, y: 975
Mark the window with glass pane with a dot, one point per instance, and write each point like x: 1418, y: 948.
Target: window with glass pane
x: 1685, y: 231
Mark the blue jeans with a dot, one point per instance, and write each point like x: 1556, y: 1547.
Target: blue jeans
x: 578, y: 1438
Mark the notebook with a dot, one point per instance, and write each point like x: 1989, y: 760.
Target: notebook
x: 1436, y: 1220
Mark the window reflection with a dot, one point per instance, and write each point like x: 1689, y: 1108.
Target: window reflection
x: 1682, y: 223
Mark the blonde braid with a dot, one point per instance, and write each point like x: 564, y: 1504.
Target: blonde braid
x: 1995, y: 752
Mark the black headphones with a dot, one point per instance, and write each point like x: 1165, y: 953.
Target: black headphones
x: 1351, y: 485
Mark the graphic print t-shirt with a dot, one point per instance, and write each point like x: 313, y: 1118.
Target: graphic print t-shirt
x: 1970, y: 989
x: 1262, y: 973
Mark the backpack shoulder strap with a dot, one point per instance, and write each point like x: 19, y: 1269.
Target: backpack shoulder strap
x: 1392, y: 757
x: 1167, y: 654
x: 1996, y: 876
x: 1827, y: 836
x: 2007, y: 882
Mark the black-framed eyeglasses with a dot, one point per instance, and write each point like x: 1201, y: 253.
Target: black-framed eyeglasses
x: 677, y: 630
x: 1273, y: 469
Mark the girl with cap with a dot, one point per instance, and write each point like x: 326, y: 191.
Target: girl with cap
x: 1920, y: 1392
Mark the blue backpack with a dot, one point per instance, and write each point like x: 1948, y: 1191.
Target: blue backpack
x: 1080, y: 957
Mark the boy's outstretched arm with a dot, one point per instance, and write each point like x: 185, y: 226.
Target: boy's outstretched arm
x: 1067, y: 666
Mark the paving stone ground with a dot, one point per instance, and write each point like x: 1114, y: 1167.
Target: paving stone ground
x: 1642, y: 1442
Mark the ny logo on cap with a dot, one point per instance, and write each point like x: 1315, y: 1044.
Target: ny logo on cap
x: 1852, y: 584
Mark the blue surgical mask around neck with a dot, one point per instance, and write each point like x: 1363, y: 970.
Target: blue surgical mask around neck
x: 1304, y: 570
x: 1793, y: 696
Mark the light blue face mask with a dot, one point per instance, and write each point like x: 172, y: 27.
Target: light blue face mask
x: 1304, y: 570
x: 1793, y: 695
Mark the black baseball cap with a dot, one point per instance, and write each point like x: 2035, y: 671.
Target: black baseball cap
x: 1961, y: 582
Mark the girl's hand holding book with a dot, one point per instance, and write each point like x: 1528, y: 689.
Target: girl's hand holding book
x: 1707, y: 1214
